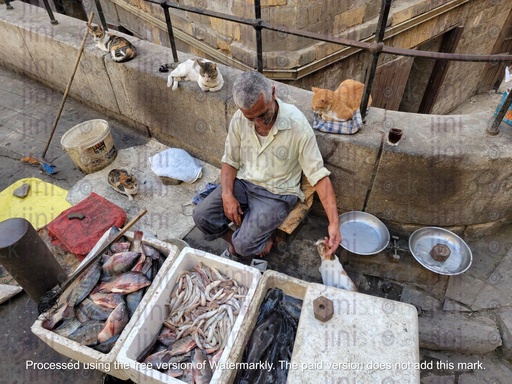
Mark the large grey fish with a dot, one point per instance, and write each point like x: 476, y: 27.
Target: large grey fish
x: 201, y: 367
x: 262, y: 336
x: 109, y: 300
x: 126, y: 283
x: 86, y: 283
x: 115, y: 323
x: 120, y: 263
x: 87, y: 333
x: 133, y: 299
x: 150, y: 251
x: 81, y: 316
x: 94, y: 311
x: 106, y: 346
x: 68, y: 327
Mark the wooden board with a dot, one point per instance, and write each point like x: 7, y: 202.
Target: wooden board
x: 299, y: 212
x: 389, y: 83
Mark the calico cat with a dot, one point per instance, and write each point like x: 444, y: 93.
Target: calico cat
x: 120, y: 48
x: 121, y: 181
x: 338, y: 105
x: 203, y: 71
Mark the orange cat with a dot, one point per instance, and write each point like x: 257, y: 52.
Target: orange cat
x: 340, y: 104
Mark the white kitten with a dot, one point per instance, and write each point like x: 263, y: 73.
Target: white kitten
x: 205, y: 72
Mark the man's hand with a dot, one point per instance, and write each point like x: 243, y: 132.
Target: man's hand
x: 334, y: 239
x: 232, y: 209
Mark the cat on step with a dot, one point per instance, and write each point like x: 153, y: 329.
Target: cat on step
x: 341, y: 104
x: 204, y: 72
x: 120, y: 48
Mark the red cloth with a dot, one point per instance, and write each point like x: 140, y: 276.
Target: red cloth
x: 80, y: 236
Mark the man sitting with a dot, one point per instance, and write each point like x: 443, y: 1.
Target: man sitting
x: 268, y: 146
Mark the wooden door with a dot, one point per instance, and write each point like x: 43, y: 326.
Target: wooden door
x: 494, y: 72
x: 389, y: 83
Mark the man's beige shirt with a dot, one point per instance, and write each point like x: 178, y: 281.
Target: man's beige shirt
x: 289, y: 149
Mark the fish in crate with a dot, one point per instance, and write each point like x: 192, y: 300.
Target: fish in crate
x: 100, y: 304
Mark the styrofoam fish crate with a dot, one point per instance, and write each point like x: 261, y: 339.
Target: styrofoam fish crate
x: 368, y: 340
x: 364, y: 329
x: 151, y: 320
x: 101, y: 361
x: 271, y: 279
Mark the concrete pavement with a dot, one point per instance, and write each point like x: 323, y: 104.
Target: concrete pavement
x: 454, y: 312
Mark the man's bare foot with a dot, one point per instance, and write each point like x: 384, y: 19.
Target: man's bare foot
x: 231, y: 250
x: 267, y: 248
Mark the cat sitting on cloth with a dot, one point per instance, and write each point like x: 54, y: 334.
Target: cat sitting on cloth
x: 338, y: 105
x: 205, y: 72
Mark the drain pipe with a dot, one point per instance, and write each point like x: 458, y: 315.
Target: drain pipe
x: 375, y: 49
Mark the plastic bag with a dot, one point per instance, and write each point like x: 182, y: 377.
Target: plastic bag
x: 176, y: 163
x: 334, y: 275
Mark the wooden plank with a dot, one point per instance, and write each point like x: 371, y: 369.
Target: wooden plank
x: 301, y: 209
x: 389, y: 83
x: 449, y: 44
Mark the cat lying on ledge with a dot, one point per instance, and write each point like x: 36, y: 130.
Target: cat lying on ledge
x: 204, y: 72
x: 120, y: 48
x: 341, y: 104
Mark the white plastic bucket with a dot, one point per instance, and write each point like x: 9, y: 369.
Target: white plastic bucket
x: 90, y: 145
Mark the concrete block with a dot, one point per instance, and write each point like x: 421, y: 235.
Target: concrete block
x: 452, y: 305
x: 505, y: 324
x: 464, y: 288
x: 420, y: 300
x: 491, y: 297
x: 459, y: 332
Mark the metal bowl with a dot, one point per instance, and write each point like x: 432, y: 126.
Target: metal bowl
x: 423, y: 240
x: 362, y: 233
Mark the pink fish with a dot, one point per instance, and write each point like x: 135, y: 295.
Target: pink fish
x: 115, y: 323
x: 120, y: 263
x: 109, y: 300
x: 126, y: 283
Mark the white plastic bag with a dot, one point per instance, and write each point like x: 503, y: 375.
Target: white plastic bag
x: 176, y: 163
x: 334, y: 275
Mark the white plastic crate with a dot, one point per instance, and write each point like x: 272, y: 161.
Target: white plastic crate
x: 150, y: 321
x: 364, y: 329
x: 101, y: 361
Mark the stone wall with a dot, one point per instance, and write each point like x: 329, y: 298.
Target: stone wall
x: 306, y: 62
x: 445, y: 171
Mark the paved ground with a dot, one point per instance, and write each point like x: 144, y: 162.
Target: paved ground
x: 463, y: 319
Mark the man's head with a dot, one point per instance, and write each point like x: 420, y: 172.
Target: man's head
x: 254, y: 95
x: 248, y: 87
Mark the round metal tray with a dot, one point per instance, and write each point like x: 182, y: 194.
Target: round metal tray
x: 362, y: 233
x: 422, y: 241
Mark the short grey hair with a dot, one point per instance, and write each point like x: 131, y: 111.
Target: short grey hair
x: 248, y: 87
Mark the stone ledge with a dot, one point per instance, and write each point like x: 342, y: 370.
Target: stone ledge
x: 459, y: 333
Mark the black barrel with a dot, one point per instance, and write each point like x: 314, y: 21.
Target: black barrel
x: 27, y: 258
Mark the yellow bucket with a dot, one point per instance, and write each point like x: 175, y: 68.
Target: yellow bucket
x: 90, y: 145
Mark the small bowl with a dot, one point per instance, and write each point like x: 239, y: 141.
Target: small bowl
x: 423, y: 240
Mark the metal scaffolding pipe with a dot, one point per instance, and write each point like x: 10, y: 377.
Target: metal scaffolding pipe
x: 375, y: 49
x: 165, y: 6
